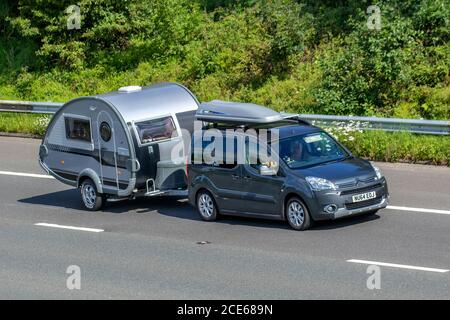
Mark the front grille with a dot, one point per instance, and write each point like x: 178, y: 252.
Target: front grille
x: 361, y: 190
x: 362, y: 204
x: 354, y: 182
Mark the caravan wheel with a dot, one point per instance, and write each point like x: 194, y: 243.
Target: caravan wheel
x: 92, y: 200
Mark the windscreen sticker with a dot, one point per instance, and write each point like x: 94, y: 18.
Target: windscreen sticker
x: 314, y: 138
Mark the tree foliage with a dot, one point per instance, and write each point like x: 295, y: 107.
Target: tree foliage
x: 304, y: 55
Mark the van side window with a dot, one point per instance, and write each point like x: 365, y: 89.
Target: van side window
x: 156, y: 130
x: 220, y: 156
x: 78, y: 129
x: 254, y: 160
x: 229, y: 154
x: 250, y: 159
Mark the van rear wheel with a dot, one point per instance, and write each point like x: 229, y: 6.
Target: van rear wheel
x: 297, y: 214
x: 92, y: 200
x: 206, y: 206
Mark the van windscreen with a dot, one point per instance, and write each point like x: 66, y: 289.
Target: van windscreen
x: 311, y: 149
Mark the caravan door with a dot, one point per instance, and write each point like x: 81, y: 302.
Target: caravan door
x: 106, y: 139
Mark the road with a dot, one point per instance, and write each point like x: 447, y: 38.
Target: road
x: 152, y: 248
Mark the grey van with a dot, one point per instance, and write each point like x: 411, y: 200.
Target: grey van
x: 317, y: 178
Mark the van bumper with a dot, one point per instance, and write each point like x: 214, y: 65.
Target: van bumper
x: 345, y: 207
x: 343, y: 212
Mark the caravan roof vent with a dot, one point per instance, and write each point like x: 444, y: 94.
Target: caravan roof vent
x: 236, y: 112
x: 129, y: 89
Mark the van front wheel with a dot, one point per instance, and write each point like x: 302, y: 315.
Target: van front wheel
x: 92, y: 200
x: 297, y: 214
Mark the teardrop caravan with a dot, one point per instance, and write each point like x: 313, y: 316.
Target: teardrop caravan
x: 118, y: 145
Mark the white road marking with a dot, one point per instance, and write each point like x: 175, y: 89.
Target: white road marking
x: 22, y: 174
x: 418, y: 209
x: 51, y: 225
x: 394, y: 265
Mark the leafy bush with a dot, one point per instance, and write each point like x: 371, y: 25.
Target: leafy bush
x: 293, y: 55
x: 393, y: 146
x: 405, y: 147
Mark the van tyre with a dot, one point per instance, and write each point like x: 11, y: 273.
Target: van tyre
x: 92, y: 200
x: 206, y: 206
x: 297, y: 214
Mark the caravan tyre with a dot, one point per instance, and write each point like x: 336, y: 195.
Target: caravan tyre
x: 92, y: 200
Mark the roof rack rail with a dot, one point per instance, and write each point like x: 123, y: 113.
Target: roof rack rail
x: 217, y: 111
x: 295, y: 116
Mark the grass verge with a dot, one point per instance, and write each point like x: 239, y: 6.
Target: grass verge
x: 400, y: 147
x: 28, y: 123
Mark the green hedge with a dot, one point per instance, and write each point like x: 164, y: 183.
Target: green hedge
x: 34, y: 124
x: 401, y: 147
x: 293, y: 55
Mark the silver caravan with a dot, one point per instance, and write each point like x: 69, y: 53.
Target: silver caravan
x: 119, y: 144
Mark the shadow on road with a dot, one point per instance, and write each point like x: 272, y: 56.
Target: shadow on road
x: 344, y: 222
x: 69, y: 199
x: 178, y: 207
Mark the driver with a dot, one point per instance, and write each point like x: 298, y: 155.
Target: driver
x: 298, y: 152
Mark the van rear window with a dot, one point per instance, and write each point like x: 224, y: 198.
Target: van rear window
x: 156, y: 130
x: 78, y: 129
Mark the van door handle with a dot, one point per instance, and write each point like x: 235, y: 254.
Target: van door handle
x: 247, y: 178
x: 235, y: 177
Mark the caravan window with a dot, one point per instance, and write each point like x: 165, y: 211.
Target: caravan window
x: 78, y: 129
x: 105, y: 131
x: 156, y: 130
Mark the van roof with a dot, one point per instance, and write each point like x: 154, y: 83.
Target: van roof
x: 151, y: 101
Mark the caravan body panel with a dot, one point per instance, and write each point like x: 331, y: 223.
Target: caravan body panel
x: 111, y: 139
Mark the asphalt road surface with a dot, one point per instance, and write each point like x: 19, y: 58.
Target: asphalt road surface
x: 149, y: 248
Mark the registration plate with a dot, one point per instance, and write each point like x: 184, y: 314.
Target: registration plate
x: 364, y: 196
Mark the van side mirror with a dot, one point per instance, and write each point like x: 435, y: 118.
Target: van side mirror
x: 266, y: 171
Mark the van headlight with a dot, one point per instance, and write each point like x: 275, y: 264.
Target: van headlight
x: 319, y: 184
x: 377, y: 171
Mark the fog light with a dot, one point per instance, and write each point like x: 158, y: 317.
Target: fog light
x: 331, y: 208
